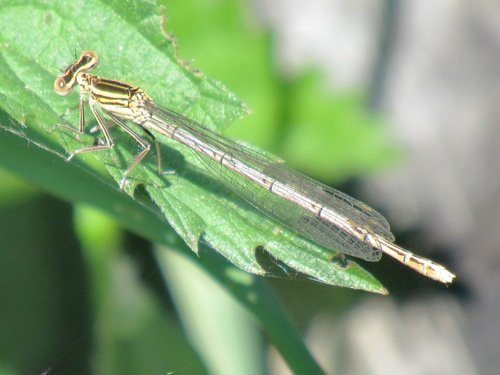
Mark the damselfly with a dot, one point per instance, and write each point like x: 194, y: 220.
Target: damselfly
x: 317, y: 212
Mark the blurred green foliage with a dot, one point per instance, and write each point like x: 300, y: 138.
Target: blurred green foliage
x: 72, y: 299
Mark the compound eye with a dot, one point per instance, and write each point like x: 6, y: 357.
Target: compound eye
x: 61, y: 87
x: 88, y: 60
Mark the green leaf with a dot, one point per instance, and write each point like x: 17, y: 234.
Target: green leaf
x: 144, y: 57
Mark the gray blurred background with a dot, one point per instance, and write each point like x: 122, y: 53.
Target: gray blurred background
x: 433, y: 70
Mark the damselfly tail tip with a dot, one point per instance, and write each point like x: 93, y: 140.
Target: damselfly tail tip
x: 444, y: 276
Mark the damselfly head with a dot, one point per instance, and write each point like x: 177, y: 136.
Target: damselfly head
x: 64, y: 84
